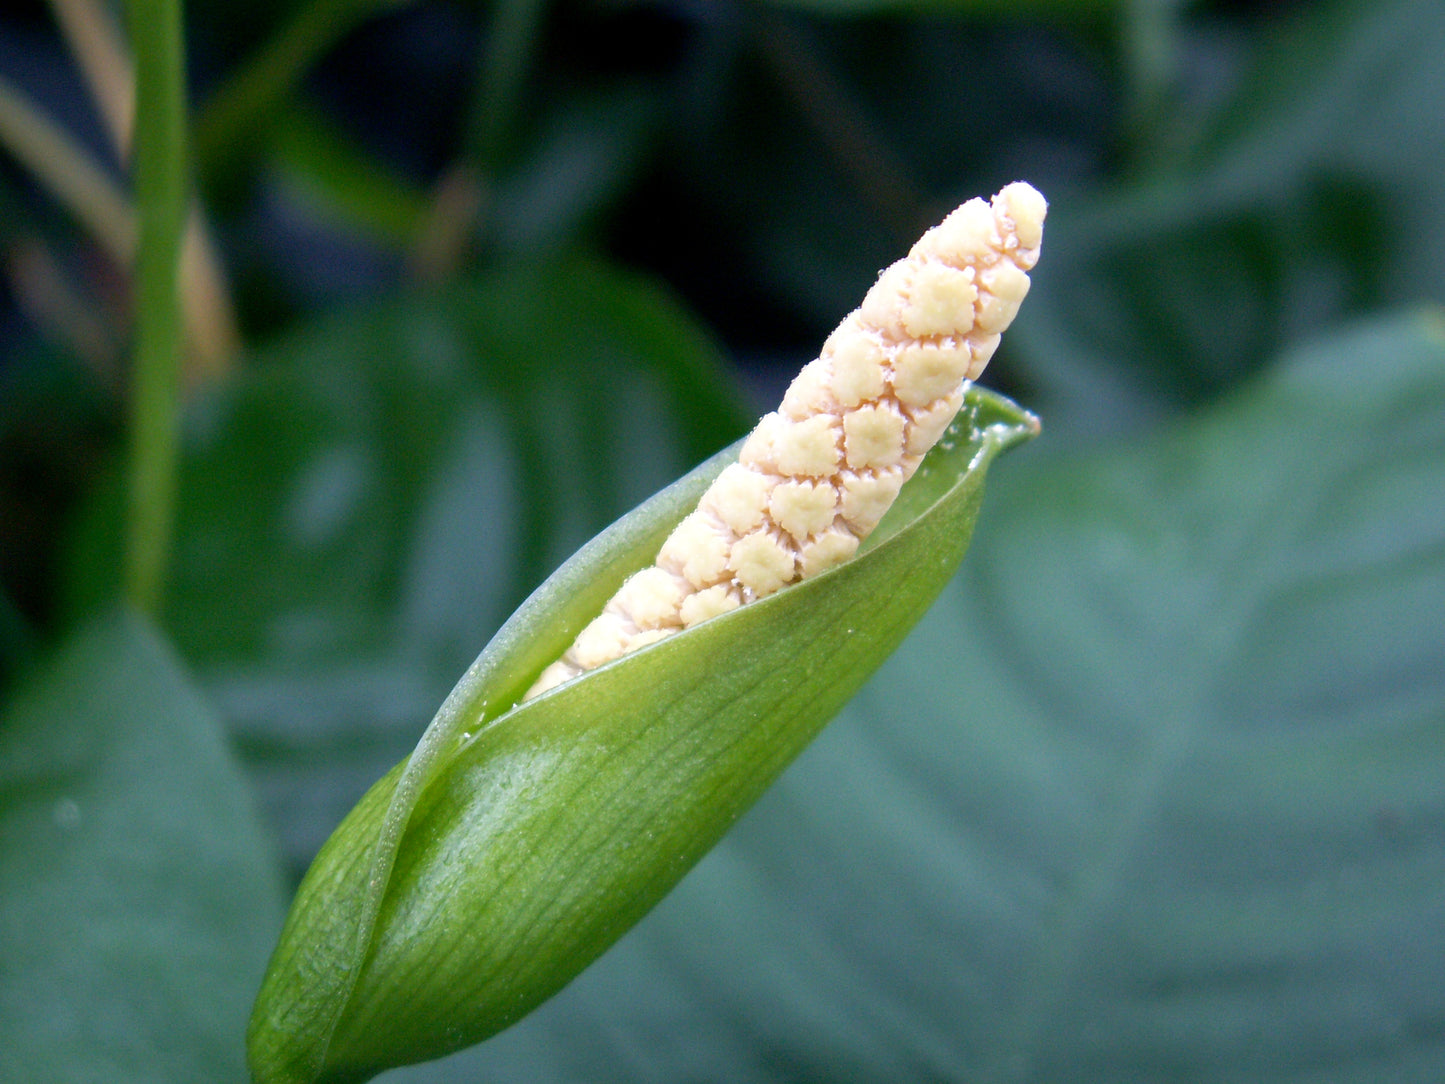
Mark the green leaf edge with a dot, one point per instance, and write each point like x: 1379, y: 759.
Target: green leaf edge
x: 535, y: 635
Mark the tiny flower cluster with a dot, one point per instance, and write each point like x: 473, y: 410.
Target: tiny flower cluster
x: 815, y: 477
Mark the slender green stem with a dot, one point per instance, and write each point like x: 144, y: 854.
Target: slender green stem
x: 858, y: 146
x: 462, y: 198
x: 161, y: 186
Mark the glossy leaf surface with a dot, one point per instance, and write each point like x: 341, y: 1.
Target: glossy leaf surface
x: 141, y: 893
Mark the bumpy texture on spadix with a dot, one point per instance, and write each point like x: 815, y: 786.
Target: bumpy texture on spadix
x: 817, y: 475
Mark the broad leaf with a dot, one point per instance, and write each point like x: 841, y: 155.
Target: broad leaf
x: 1156, y: 791
x: 1312, y: 195
x: 141, y: 894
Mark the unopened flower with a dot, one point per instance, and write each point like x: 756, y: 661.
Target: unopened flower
x: 519, y: 840
x: 816, y: 476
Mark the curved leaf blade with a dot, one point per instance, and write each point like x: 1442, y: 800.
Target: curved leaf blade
x: 367, y: 501
x: 1153, y: 792
x: 141, y: 890
x: 536, y: 838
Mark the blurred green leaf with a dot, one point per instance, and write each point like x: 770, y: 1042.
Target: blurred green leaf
x: 339, y: 175
x: 141, y: 894
x: 801, y: 162
x: 56, y: 424
x: 582, y: 157
x: 1313, y: 195
x: 243, y: 108
x: 1153, y: 793
x: 519, y: 842
x: 365, y: 504
x: 998, y: 9
x: 17, y: 639
x: 1346, y: 85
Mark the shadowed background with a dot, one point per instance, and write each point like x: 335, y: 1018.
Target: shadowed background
x: 1155, y: 791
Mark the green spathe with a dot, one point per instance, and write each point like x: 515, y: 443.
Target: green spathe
x: 514, y: 846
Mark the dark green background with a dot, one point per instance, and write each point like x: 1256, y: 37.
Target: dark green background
x: 1157, y: 790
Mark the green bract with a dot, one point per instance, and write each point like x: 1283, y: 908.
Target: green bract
x: 517, y: 843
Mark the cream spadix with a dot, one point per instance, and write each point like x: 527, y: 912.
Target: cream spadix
x: 521, y: 838
x: 816, y: 476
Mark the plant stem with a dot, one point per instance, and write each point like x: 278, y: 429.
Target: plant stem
x: 863, y: 152
x: 209, y: 317
x: 160, y: 196
x: 461, y: 198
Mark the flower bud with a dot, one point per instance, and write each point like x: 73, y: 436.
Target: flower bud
x: 888, y: 382
x: 725, y: 621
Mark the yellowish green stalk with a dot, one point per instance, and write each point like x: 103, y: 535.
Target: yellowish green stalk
x: 161, y: 190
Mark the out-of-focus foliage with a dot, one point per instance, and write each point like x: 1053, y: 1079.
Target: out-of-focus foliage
x: 365, y: 505
x: 1152, y: 794
x: 141, y: 892
x: 1311, y: 195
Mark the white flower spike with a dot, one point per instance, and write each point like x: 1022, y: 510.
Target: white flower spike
x: 817, y: 475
